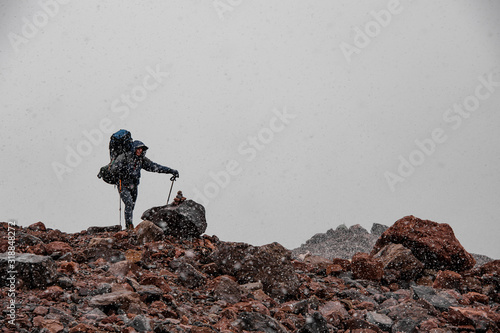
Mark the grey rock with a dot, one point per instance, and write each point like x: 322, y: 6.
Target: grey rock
x: 140, y: 323
x: 315, y: 324
x: 441, y: 302
x: 381, y: 320
x: 253, y: 321
x: 35, y: 271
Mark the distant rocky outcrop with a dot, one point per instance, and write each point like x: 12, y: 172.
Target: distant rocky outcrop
x: 343, y: 242
x: 143, y: 280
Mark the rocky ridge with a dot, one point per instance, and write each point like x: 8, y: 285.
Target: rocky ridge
x: 107, y: 280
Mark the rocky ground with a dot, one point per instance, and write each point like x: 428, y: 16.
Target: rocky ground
x: 416, y: 278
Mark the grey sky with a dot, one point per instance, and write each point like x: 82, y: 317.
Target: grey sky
x: 232, y: 67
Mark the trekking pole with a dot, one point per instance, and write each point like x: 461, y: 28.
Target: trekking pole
x: 120, y: 198
x: 172, y: 185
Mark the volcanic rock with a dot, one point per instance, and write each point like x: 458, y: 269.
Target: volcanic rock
x: 35, y: 271
x: 366, y: 267
x: 400, y: 259
x: 186, y: 220
x: 147, y: 232
x: 269, y: 264
x: 434, y: 244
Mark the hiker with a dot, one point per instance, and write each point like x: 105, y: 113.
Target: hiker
x: 128, y: 165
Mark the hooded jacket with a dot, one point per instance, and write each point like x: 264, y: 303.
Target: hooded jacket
x: 128, y: 165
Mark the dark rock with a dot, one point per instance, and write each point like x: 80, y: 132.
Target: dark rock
x: 98, y: 230
x: 34, y: 270
x: 407, y: 325
x: 315, y: 323
x: 65, y: 282
x: 253, y: 321
x: 189, y: 276
x: 434, y: 244
x: 270, y: 264
x: 227, y: 290
x: 428, y: 294
x: 400, y: 259
x: 140, y: 324
x: 186, y: 220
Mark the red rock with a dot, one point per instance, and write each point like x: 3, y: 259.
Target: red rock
x: 344, y: 263
x: 121, y: 299
x: 434, y: 244
x: 61, y: 247
x: 70, y: 267
x: 41, y: 310
x: 447, y: 280
x: 155, y: 280
x: 472, y: 297
x: 334, y: 270
x: 492, y: 267
x: 83, y: 328
x: 471, y: 316
x: 364, y: 266
x: 52, y: 293
x: 38, y: 226
x: 51, y: 325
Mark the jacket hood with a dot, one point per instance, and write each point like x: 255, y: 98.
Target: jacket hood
x: 139, y: 144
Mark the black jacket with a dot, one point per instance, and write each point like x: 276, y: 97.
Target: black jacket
x: 128, y: 165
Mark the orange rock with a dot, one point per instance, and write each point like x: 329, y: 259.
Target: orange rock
x: 68, y: 267
x: 366, y: 267
x: 447, y: 280
x: 58, y: 247
x: 52, y: 293
x: 39, y: 226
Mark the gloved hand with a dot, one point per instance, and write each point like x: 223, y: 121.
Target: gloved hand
x: 175, y: 173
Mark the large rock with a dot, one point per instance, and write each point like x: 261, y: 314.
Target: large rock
x: 434, y: 244
x: 400, y: 259
x: 34, y: 270
x: 270, y: 264
x: 186, y: 220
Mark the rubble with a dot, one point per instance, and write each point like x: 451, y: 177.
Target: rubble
x: 137, y: 281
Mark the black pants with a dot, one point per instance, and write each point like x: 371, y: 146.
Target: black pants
x: 128, y: 195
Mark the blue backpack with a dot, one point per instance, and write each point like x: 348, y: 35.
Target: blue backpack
x: 119, y: 143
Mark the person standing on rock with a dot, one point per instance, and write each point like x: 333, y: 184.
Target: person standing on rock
x: 128, y: 166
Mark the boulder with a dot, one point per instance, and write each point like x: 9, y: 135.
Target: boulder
x: 434, y: 244
x: 34, y: 270
x: 148, y: 232
x: 186, y: 220
x: 397, y: 257
x: 366, y: 267
x: 270, y: 264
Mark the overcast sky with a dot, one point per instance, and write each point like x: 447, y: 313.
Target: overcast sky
x: 285, y: 118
